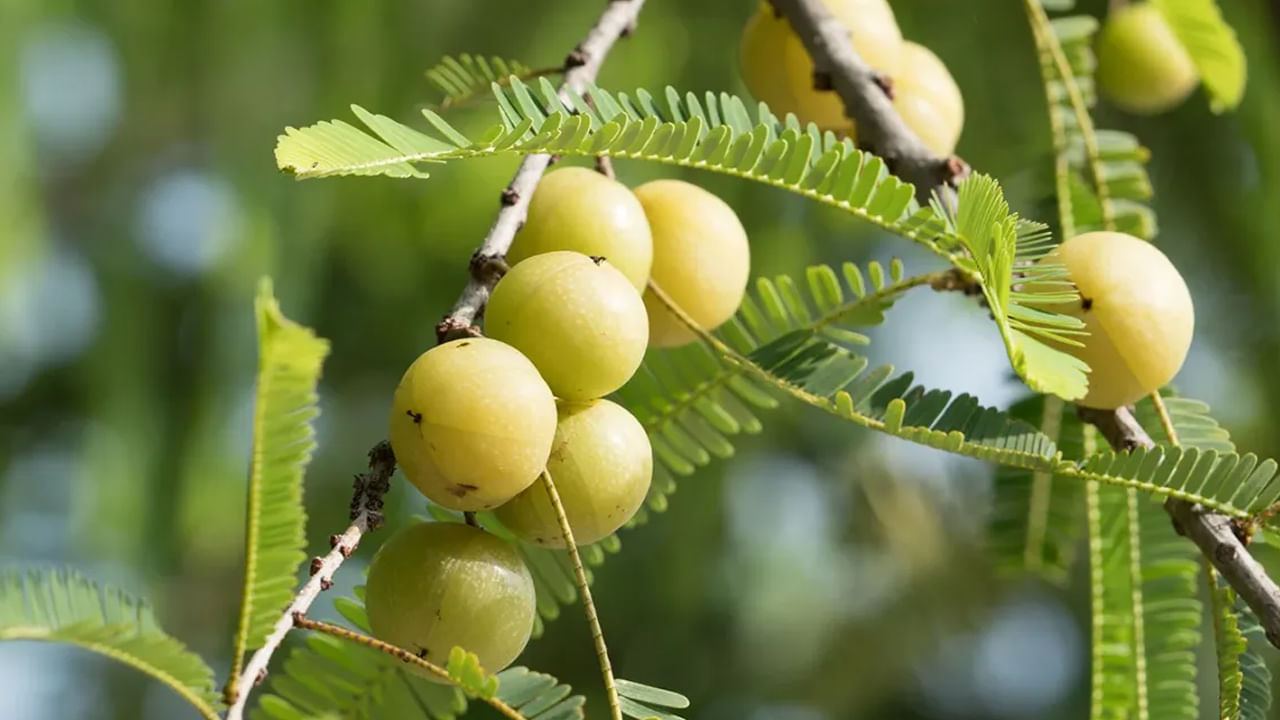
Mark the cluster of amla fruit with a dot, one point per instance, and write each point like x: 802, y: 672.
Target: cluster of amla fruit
x: 778, y: 70
x: 476, y: 421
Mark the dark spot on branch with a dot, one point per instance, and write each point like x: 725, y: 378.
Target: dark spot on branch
x: 1224, y: 553
x: 261, y: 677
x: 884, y: 82
x: 575, y: 58
x: 822, y: 81
x: 509, y: 197
x: 955, y: 169
x: 452, y: 328
x: 317, y: 564
x: 325, y: 584
x: 333, y: 541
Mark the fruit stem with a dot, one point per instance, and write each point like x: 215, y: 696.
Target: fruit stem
x: 302, y: 621
x: 470, y: 519
x: 588, y: 606
x: 1166, y: 422
x: 604, y: 166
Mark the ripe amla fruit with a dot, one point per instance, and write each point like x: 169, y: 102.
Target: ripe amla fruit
x: 434, y: 586
x: 928, y: 99
x: 471, y: 423
x: 701, y: 259
x: 778, y: 70
x: 581, y: 210
x: 578, y: 319
x: 1142, y: 66
x: 1137, y: 310
x: 601, y: 463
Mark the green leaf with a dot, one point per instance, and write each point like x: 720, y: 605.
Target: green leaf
x: 636, y: 700
x: 1244, y: 680
x: 289, y: 361
x: 464, y: 668
x: 1038, y: 518
x: 461, y: 78
x: 1213, y: 46
x: 998, y: 241
x: 63, y: 606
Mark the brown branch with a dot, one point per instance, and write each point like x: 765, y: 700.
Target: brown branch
x: 880, y: 129
x: 1213, y: 533
x: 366, y: 515
x: 581, y: 66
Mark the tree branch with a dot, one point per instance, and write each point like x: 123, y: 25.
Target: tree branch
x: 880, y: 129
x: 1213, y: 533
x: 581, y: 66
x: 366, y: 515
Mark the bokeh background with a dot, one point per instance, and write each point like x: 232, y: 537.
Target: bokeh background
x: 824, y: 573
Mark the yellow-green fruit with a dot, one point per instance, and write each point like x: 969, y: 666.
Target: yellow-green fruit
x: 928, y: 99
x: 601, y: 463
x: 436, y: 586
x: 877, y: 39
x: 579, y: 209
x: 1142, y: 66
x: 701, y: 259
x: 472, y: 423
x: 1137, y: 310
x: 778, y: 70
x: 578, y: 319
x: 759, y: 55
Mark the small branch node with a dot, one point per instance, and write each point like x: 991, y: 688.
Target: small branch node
x: 317, y: 564
x: 885, y: 83
x: 325, y: 584
x: 576, y: 58
x: 451, y: 328
x: 261, y: 677
x: 509, y: 197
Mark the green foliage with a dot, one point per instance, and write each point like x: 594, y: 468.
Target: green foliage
x: 462, y: 78
x: 982, y: 238
x: 998, y: 241
x: 289, y: 361
x: 63, y: 606
x: 692, y: 401
x: 464, y: 668
x: 359, y: 683
x: 1213, y: 47
x: 1038, y: 518
x: 636, y: 699
x: 1244, y: 680
x: 1100, y: 175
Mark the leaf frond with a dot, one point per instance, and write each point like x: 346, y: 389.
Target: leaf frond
x: 63, y: 606
x: 289, y: 362
x: 639, y: 700
x: 464, y: 77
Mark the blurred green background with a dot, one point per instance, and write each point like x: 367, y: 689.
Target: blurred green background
x: 823, y: 573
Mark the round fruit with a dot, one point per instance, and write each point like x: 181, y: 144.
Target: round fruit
x: 577, y: 318
x: 436, y: 586
x: 1137, y: 310
x: 579, y: 209
x: 1142, y: 66
x: 877, y: 39
x: 601, y: 463
x: 928, y: 99
x: 778, y: 70
x: 472, y: 423
x: 701, y: 259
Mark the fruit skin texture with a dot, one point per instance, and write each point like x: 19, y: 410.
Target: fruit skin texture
x: 580, y: 321
x: 434, y: 586
x: 1142, y: 66
x: 602, y: 465
x: 701, y: 259
x: 763, y: 40
x: 1137, y: 310
x: 472, y: 423
x: 778, y: 70
x: 579, y: 209
x: 928, y: 99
